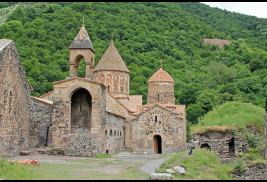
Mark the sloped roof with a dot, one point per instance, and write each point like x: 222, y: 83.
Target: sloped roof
x: 45, y: 101
x: 111, y: 60
x: 4, y: 43
x: 177, y: 109
x: 82, y: 41
x: 161, y: 76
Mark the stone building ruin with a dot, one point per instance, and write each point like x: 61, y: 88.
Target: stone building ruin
x: 91, y: 115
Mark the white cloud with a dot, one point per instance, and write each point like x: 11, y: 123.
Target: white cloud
x: 258, y: 9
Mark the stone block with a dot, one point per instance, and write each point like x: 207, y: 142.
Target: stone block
x: 24, y: 153
x: 179, y: 170
x: 160, y: 176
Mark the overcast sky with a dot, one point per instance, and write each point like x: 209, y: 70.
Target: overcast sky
x: 258, y: 9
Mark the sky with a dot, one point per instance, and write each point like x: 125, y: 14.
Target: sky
x: 258, y: 9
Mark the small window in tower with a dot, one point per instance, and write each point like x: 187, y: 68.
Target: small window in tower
x: 106, y: 132
x: 114, y: 132
x: 108, y: 88
x: 156, y: 118
x: 110, y: 133
x: 121, y: 88
x: 158, y: 97
x: 120, y: 133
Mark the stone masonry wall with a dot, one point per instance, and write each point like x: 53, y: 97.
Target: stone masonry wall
x: 114, y: 133
x: 41, y: 116
x: 14, y: 101
x: 170, y: 127
x: 265, y: 119
x: 61, y: 117
x: 218, y: 141
x: 162, y: 92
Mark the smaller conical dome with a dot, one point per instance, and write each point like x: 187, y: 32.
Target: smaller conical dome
x: 161, y: 76
x: 82, y: 40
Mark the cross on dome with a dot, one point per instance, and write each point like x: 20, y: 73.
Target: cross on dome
x: 161, y: 62
x: 83, y: 22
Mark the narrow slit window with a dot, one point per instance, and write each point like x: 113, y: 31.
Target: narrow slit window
x: 156, y: 118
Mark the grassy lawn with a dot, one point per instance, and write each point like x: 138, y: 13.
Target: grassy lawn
x: 201, y: 165
x: 91, y: 168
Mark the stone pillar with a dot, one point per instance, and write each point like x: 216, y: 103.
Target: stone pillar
x: 265, y: 119
x: 76, y: 71
x: 71, y: 70
x: 88, y: 71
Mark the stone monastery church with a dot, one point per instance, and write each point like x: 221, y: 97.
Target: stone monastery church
x: 91, y: 115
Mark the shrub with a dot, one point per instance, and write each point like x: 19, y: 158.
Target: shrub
x: 239, y: 166
x: 252, y: 139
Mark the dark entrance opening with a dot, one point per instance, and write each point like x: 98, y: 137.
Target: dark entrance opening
x: 205, y: 146
x: 81, y: 110
x: 232, y: 146
x: 157, y: 144
x: 47, y: 136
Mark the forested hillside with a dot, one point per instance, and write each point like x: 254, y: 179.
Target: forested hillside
x: 144, y: 33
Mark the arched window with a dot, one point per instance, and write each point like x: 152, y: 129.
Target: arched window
x: 114, y: 132
x: 110, y: 133
x: 106, y: 132
x: 120, y: 133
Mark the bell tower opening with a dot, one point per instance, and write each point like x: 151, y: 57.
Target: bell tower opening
x: 81, y: 110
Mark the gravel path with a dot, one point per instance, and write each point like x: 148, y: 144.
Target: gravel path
x: 151, y: 166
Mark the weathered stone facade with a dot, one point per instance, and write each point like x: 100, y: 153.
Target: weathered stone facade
x: 95, y: 114
x: 14, y: 101
x: 114, y: 133
x: 40, y: 131
x: 265, y: 119
x: 158, y: 121
x: 225, y: 143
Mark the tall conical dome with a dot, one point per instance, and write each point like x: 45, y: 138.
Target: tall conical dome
x: 160, y: 88
x: 111, y: 60
x: 113, y: 72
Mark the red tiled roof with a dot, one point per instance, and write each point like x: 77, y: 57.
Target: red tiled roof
x: 177, y: 109
x: 161, y: 76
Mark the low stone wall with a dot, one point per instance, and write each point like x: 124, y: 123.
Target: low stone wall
x: 253, y: 172
x: 82, y: 145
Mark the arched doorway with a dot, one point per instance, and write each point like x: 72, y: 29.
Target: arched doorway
x: 205, y: 146
x: 157, y: 144
x: 81, y: 110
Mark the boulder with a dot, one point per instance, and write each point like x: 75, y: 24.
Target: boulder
x: 170, y: 171
x: 179, y: 170
x: 160, y: 176
x: 183, y: 166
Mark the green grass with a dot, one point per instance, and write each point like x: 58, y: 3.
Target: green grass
x: 201, y: 165
x: 16, y: 171
x: 231, y: 115
x: 101, y: 156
